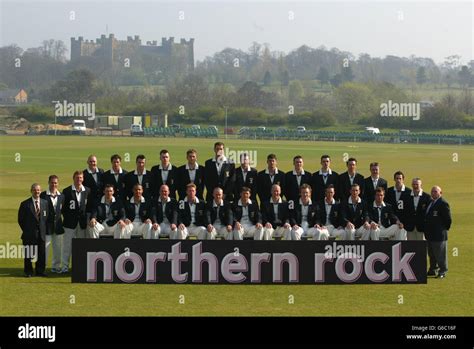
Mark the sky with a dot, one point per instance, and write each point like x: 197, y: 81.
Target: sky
x: 421, y: 28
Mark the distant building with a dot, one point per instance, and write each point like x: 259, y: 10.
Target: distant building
x: 109, y: 52
x: 13, y: 96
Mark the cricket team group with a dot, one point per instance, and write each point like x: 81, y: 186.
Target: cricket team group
x: 169, y: 202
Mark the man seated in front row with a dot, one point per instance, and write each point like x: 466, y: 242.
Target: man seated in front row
x: 304, y: 218
x: 165, y: 215
x: 331, y: 215
x: 275, y: 216
x: 247, y: 217
x: 383, y: 221
x: 219, y: 217
x: 355, y: 217
x: 139, y: 212
x: 108, y: 217
x: 192, y: 220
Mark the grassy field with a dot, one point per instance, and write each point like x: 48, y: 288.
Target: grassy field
x: 24, y: 160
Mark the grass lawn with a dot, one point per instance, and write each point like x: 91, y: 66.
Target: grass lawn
x: 24, y: 160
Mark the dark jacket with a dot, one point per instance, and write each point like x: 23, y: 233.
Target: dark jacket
x: 268, y: 214
x: 254, y: 213
x: 74, y: 212
x: 250, y: 182
x: 55, y: 221
x: 96, y: 188
x: 226, y: 216
x: 335, y: 215
x: 358, y: 217
x: 296, y: 216
x: 147, y: 183
x: 171, y: 211
x: 401, y: 206
x: 120, y: 191
x: 438, y: 221
x: 33, y: 228
x: 264, y: 184
x: 224, y: 180
x: 292, y: 189
x: 387, y: 215
x: 344, y: 183
x: 319, y: 188
x: 117, y: 209
x: 369, y: 191
x: 415, y: 218
x: 145, y: 211
x: 184, y: 179
x: 171, y: 181
x: 184, y: 213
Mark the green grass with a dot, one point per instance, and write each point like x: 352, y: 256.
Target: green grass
x: 41, y: 156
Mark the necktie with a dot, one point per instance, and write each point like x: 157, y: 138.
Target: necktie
x: 37, y: 209
x: 380, y: 214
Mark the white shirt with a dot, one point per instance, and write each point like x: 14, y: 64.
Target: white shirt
x: 351, y: 178
x: 94, y: 174
x: 54, y: 199
x: 352, y: 203
x: 245, y: 212
x: 298, y: 176
x: 379, y: 210
x: 223, y: 159
x: 192, y: 208
x: 275, y: 205
x: 140, y: 176
x: 108, y: 213
x: 78, y: 194
x: 36, y: 201
x: 244, y: 172
x: 137, y: 208
x: 375, y: 181
x: 165, y: 172
x: 325, y: 174
x: 272, y: 176
x: 116, y: 174
x: 192, y: 172
x: 399, y: 193
x: 304, y: 210
x: 416, y: 198
x: 214, y: 204
x: 163, y: 205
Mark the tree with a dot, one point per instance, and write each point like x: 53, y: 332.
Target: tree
x: 464, y: 76
x: 77, y: 87
x: 285, y: 80
x: 267, y: 79
x: 323, y: 76
x: 347, y: 74
x: 421, y: 76
x: 354, y: 101
x: 295, y: 91
x: 336, y: 80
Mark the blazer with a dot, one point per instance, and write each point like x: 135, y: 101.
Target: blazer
x: 387, y: 215
x: 171, y: 211
x: 401, y: 210
x: 55, y: 221
x: 145, y: 211
x: 96, y: 188
x: 319, y: 188
x: 184, y: 213
x: 254, y: 213
x: 268, y: 214
x: 292, y: 189
x: 74, y: 212
x: 264, y: 184
x: 358, y: 217
x: 250, y: 182
x: 33, y: 228
x: 335, y: 215
x: 171, y: 181
x: 225, y: 179
x: 438, y: 221
x: 120, y: 191
x: 296, y: 216
x: 415, y: 218
x: 369, y: 191
x: 226, y: 216
x: 147, y: 183
x: 184, y: 179
x: 117, y: 209
x: 345, y: 185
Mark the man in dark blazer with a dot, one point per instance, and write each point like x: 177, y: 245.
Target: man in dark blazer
x: 54, y: 234
x: 164, y: 173
x: 373, y: 182
x: 330, y: 215
x: 355, y: 218
x: 247, y: 217
x: 399, y: 197
x: 76, y: 211
x: 295, y: 179
x: 191, y: 172
x: 219, y: 216
x: 417, y: 205
x: 321, y: 179
x: 139, y: 176
x: 383, y: 221
x: 275, y: 216
x: 93, y: 178
x: 33, y: 216
x: 266, y: 178
x: 116, y: 176
x: 349, y: 178
x: 219, y: 172
x: 304, y: 217
x: 437, y: 224
x: 245, y: 176
x: 108, y: 217
x: 192, y: 217
x: 139, y: 212
x: 165, y: 210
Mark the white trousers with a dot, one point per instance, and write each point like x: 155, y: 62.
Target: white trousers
x: 270, y: 233
x: 70, y: 234
x: 115, y: 230
x: 361, y: 232
x: 56, y: 241
x: 306, y: 231
x: 248, y: 231
x: 199, y: 232
x: 392, y: 232
x: 336, y: 232
x: 221, y: 231
x: 141, y: 229
x: 164, y: 229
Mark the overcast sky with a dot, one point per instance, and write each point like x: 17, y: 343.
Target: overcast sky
x: 379, y: 28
